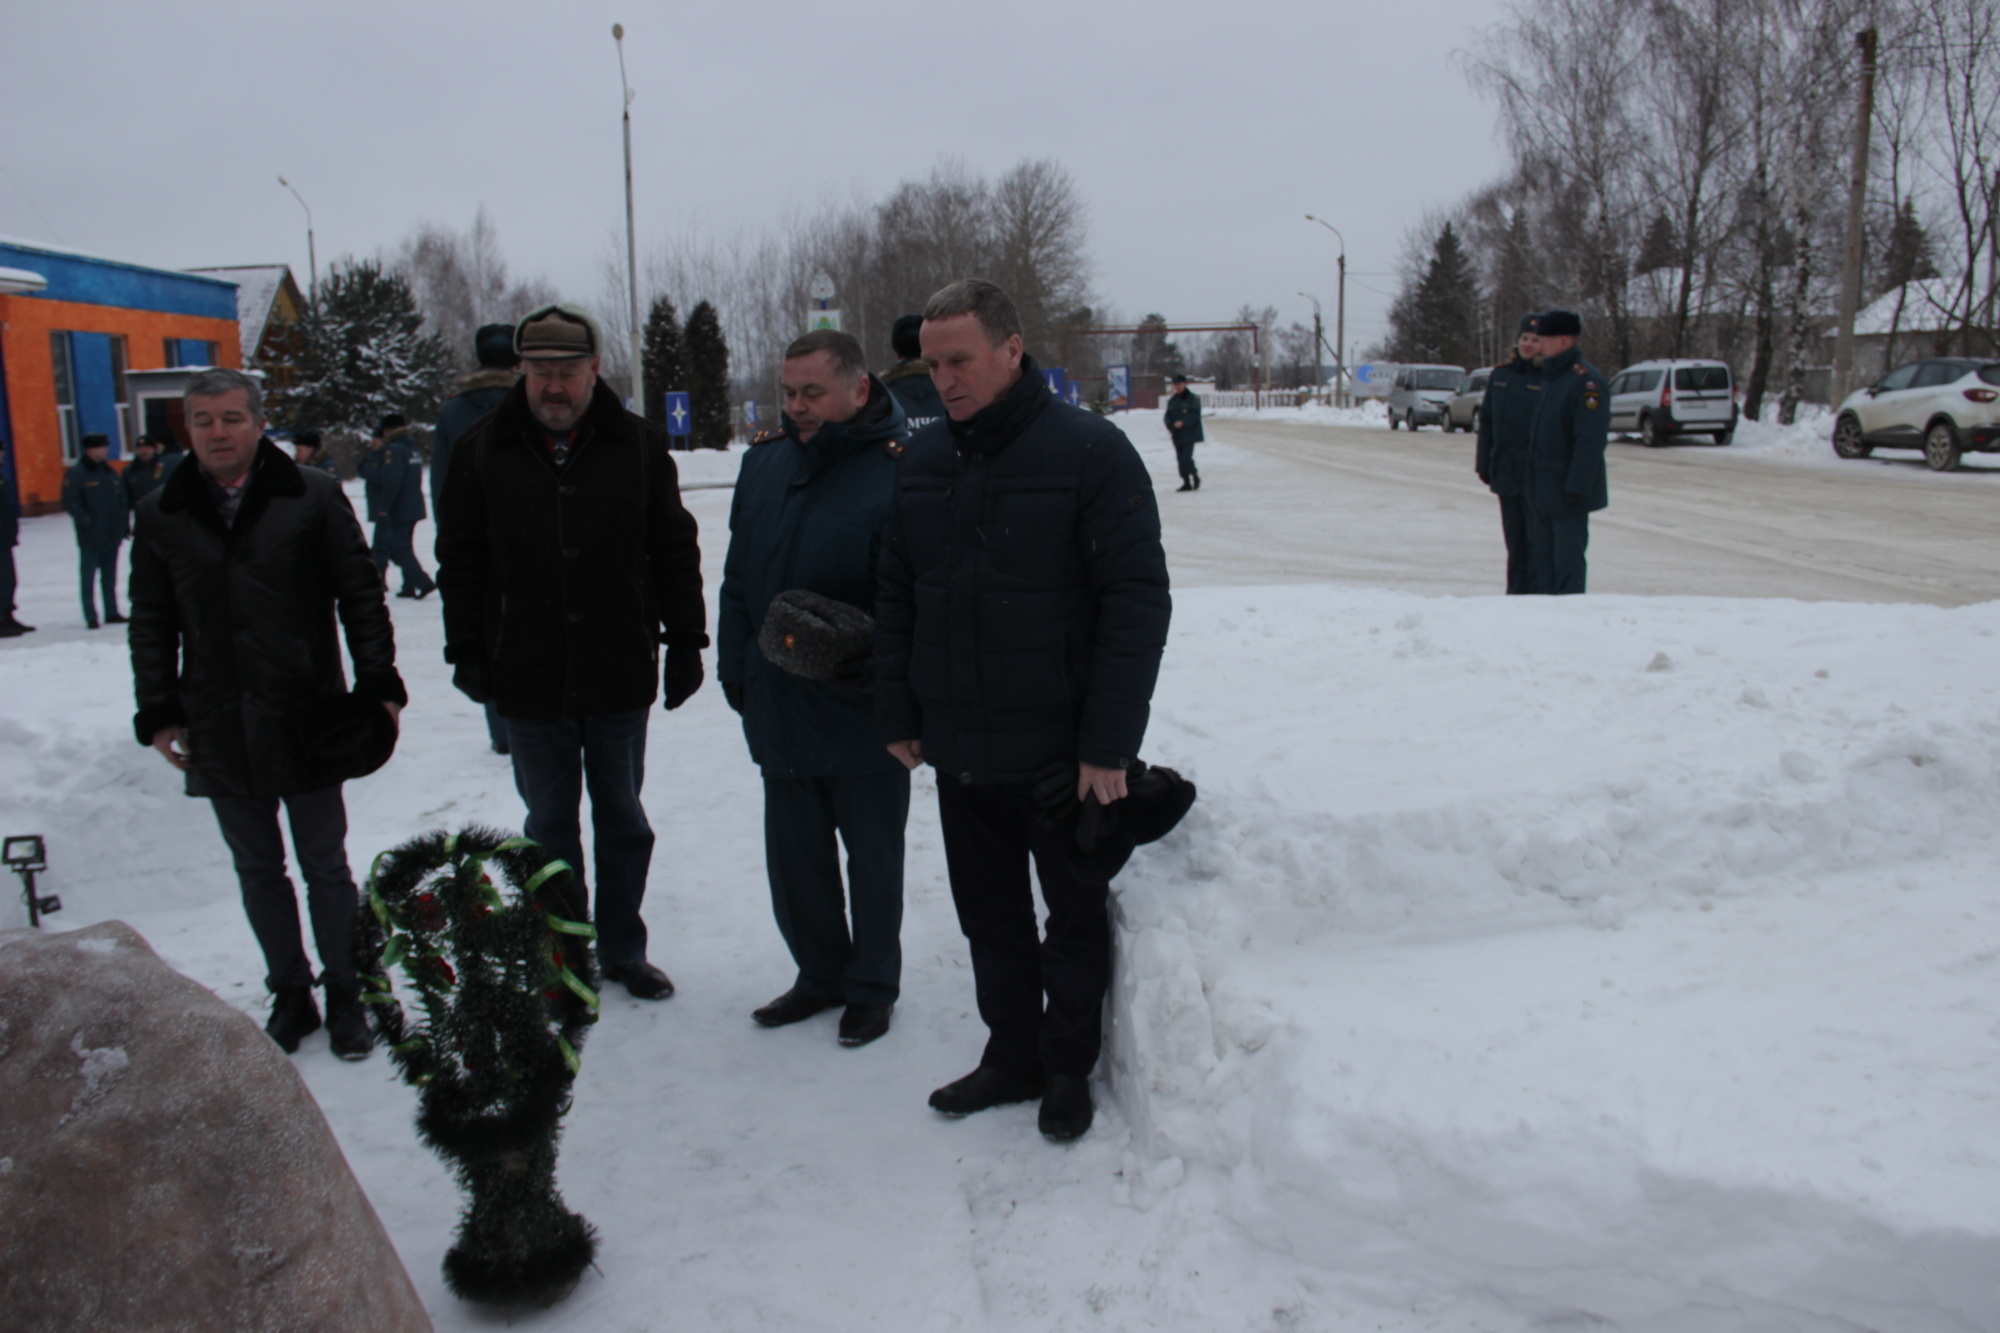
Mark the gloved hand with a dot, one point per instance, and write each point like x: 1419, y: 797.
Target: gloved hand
x: 732, y: 691
x: 682, y: 676
x: 470, y: 680
x: 1573, y: 500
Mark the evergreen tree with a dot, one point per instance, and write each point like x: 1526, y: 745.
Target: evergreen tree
x: 1907, y: 256
x: 1437, y: 320
x: 362, y: 355
x: 708, y: 378
x: 1152, y: 354
x: 1514, y: 284
x: 1659, y: 250
x: 664, y: 358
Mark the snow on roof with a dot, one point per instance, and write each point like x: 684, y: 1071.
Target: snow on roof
x: 256, y: 293
x: 1924, y: 308
x: 50, y: 247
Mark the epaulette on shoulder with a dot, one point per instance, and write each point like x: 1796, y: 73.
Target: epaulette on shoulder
x: 1577, y: 369
x: 765, y: 437
x: 893, y: 448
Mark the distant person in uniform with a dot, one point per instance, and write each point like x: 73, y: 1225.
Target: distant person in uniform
x: 910, y: 379
x: 1184, y: 426
x: 146, y: 470
x: 1566, y: 456
x: 395, y: 481
x: 307, y: 451
x: 478, y: 393
x: 1506, y: 415
x: 10, y: 536
x: 811, y: 503
x: 94, y: 496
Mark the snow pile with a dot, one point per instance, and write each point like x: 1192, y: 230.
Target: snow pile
x: 1810, y: 437
x: 1372, y: 412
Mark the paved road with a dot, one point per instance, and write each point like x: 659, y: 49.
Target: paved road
x: 1312, y: 503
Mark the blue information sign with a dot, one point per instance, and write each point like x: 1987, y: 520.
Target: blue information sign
x: 1073, y: 395
x: 680, y: 419
x: 1118, y: 381
x: 1057, y: 378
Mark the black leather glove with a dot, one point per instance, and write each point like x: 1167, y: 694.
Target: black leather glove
x: 683, y: 676
x: 732, y: 691
x: 1573, y: 500
x: 470, y: 680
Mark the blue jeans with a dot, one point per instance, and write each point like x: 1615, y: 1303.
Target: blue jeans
x: 554, y: 761
x: 98, y: 564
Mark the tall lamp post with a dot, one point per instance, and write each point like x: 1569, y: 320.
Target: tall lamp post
x: 1319, y: 340
x: 1340, y: 313
x: 631, y: 235
x: 312, y: 255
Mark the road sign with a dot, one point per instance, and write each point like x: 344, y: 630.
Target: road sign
x: 822, y: 287
x: 1073, y: 394
x: 1364, y: 374
x: 680, y: 416
x: 1118, y: 381
x: 816, y: 320
x: 1057, y: 378
x: 750, y: 411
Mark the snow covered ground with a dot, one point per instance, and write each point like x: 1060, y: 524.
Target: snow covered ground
x: 1599, y: 963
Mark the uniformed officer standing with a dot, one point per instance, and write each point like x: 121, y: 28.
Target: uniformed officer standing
x: 395, y: 491
x: 1566, y: 456
x: 1184, y: 426
x: 1505, y: 416
x: 909, y: 381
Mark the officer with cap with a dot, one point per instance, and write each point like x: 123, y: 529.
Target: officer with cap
x: 909, y: 381
x: 567, y: 561
x: 1565, y: 484
x: 1184, y: 426
x: 1506, y: 414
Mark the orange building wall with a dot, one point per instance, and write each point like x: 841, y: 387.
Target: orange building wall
x: 25, y: 325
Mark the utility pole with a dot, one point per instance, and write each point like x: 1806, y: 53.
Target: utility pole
x: 1857, y: 193
x: 1319, y: 341
x: 312, y: 253
x: 1340, y: 316
x: 631, y: 235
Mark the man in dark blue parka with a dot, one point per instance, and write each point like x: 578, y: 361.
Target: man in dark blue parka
x: 1506, y: 415
x: 394, y: 475
x: 909, y: 380
x: 1566, y: 481
x: 1020, y: 620
x: 811, y: 502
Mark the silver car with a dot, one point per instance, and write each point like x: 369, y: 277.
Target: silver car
x: 1420, y: 394
x: 1462, y: 412
x: 1944, y: 406
x: 1658, y: 399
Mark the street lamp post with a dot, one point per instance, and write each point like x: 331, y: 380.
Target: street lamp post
x: 631, y: 235
x: 312, y: 255
x: 1340, y: 312
x: 1319, y: 340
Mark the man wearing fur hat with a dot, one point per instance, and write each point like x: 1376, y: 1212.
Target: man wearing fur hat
x: 567, y: 560
x: 1565, y: 455
x: 795, y: 640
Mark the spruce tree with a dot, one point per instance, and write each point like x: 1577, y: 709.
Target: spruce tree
x: 1907, y: 256
x: 1445, y: 316
x: 708, y: 378
x: 362, y: 355
x: 1659, y: 249
x: 664, y: 358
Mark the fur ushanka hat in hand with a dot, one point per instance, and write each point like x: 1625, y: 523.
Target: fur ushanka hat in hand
x: 817, y: 638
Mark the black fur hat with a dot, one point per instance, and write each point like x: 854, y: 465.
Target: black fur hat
x: 815, y: 637
x: 351, y: 734
x: 494, y: 346
x: 1102, y: 838
x: 390, y: 422
x: 903, y: 337
x: 1561, y: 324
x: 1530, y: 323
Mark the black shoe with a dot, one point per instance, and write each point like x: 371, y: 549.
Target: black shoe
x: 407, y: 595
x: 90, y: 624
x: 501, y: 747
x: 863, y: 1023
x: 18, y: 628
x: 294, y: 1017
x: 983, y: 1088
x: 794, y: 1006
x: 645, y: 981
x: 1197, y: 481
x: 115, y: 619
x: 11, y: 631
x: 347, y: 1024
x: 1066, y: 1109
x: 1185, y: 485
x: 419, y: 596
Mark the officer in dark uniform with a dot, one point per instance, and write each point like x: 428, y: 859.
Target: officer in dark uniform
x: 1184, y: 426
x: 909, y: 381
x: 1505, y: 417
x: 1566, y: 456
x: 144, y: 473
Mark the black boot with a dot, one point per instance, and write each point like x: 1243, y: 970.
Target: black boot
x: 864, y: 1022
x: 1197, y: 481
x: 294, y: 1017
x: 1186, y: 485
x: 347, y: 1023
x: 645, y: 981
x: 1066, y: 1110
x: 794, y: 1006
x: 984, y: 1088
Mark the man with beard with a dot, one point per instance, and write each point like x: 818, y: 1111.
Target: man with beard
x: 1021, y: 615
x: 811, y: 501
x: 566, y: 560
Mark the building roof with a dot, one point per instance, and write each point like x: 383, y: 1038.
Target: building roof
x: 1926, y: 307
x: 257, y: 288
x: 75, y: 275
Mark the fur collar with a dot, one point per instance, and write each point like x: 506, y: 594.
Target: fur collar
x: 272, y: 474
x: 487, y: 378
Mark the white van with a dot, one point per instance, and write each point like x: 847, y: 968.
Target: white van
x: 1422, y: 393
x: 1656, y: 399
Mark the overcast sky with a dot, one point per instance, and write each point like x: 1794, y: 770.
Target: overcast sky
x: 1200, y: 134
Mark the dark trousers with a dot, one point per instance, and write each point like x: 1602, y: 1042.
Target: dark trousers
x: 98, y: 567
x: 496, y: 726
x: 554, y: 761
x: 395, y: 541
x: 1041, y: 996
x: 1184, y: 458
x: 803, y: 817
x: 319, y: 841
x: 1558, y: 534
x: 1517, y: 527
x: 7, y: 579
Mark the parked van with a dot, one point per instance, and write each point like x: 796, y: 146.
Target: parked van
x: 1462, y: 412
x: 1422, y: 393
x: 1656, y: 399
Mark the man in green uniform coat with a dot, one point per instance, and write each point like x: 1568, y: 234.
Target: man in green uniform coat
x: 1184, y: 425
x: 1506, y: 415
x: 1566, y: 456
x: 94, y: 495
